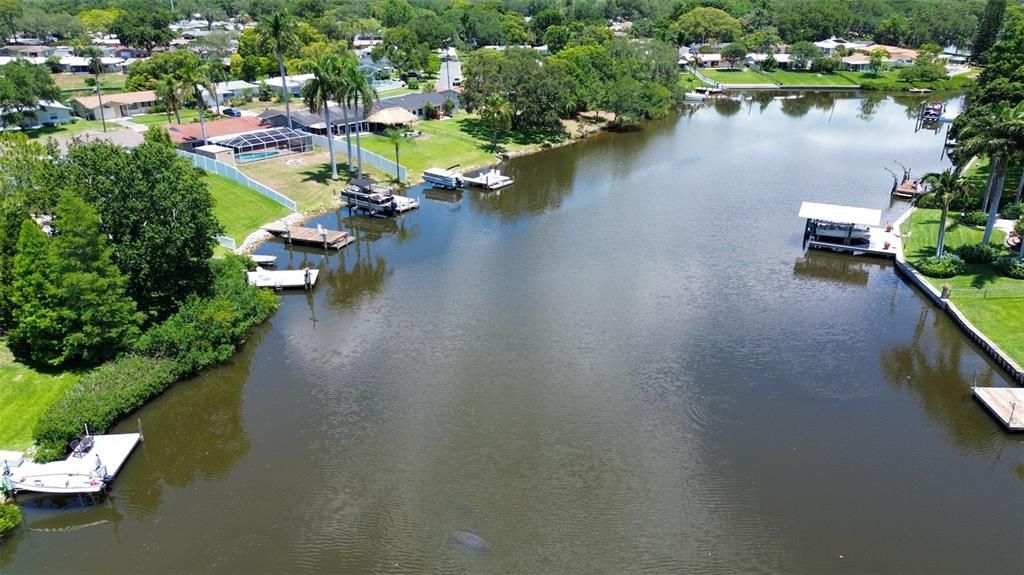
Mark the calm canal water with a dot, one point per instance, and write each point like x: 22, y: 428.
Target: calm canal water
x: 626, y: 363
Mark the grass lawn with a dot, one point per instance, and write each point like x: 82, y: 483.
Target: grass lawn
x: 24, y: 395
x: 978, y: 173
x: 687, y: 81
x: 72, y: 129
x: 993, y: 303
x: 75, y: 84
x: 735, y: 76
x: 187, y: 116
x: 790, y: 78
x: 462, y: 140
x: 308, y: 179
x: 240, y: 210
x: 890, y: 81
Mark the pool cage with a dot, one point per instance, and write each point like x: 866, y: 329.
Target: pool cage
x: 252, y: 143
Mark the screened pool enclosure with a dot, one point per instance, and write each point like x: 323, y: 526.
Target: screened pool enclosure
x: 265, y: 143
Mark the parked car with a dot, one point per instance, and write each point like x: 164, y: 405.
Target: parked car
x: 233, y: 112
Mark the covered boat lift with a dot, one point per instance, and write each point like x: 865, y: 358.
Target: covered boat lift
x: 848, y: 229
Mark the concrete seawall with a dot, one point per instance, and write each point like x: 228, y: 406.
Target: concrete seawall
x: 915, y: 278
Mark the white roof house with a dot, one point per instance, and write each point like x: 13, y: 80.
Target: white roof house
x: 232, y: 89
x: 294, y: 83
x: 827, y: 46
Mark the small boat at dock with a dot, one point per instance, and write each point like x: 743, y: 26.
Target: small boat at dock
x: 94, y: 462
x: 363, y: 194
x: 446, y: 178
x: 263, y: 261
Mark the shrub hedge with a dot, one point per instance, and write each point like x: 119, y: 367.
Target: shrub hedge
x: 202, y: 332
x: 1011, y: 211
x: 973, y: 218
x: 945, y: 266
x: 978, y: 253
x: 1010, y: 266
x: 10, y: 518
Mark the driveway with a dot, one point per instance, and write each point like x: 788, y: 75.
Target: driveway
x: 449, y: 71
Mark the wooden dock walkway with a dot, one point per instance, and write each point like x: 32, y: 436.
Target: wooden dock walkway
x: 329, y: 239
x: 87, y: 472
x: 1005, y: 403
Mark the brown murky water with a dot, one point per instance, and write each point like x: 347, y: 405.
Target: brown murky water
x: 625, y: 363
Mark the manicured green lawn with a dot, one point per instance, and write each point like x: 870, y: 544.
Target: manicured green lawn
x: 306, y: 178
x: 687, y: 81
x: 724, y: 76
x: 790, y: 78
x: 439, y: 146
x: 978, y: 173
x: 187, y: 116
x: 889, y: 80
x: 24, y: 394
x: 239, y: 209
x: 993, y: 303
x: 72, y: 129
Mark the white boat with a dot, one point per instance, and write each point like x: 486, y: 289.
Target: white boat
x: 361, y: 194
x: 92, y: 465
x: 443, y: 178
x: 825, y: 231
x: 263, y: 261
x: 694, y: 97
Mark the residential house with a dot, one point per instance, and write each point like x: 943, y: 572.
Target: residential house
x: 26, y: 51
x: 294, y: 83
x: 307, y: 121
x: 365, y: 41
x: 80, y: 65
x: 858, y: 62
x: 115, y: 105
x: 709, y: 60
x: 829, y: 46
x: 229, y: 90
x: 418, y: 103
x: 46, y: 113
x: 189, y: 136
x: 898, y: 57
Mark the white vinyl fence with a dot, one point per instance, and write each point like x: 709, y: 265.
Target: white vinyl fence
x: 227, y: 242
x: 375, y: 160
x: 234, y: 174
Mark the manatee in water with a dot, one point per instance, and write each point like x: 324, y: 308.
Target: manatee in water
x: 469, y: 543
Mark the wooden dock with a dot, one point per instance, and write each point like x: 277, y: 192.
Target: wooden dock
x: 1005, y: 403
x: 910, y: 188
x: 328, y: 239
x: 283, y: 279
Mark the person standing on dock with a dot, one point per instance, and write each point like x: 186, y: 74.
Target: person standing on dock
x: 307, y: 277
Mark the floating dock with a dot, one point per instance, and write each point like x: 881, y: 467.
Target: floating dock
x: 328, y: 239
x: 1005, y: 403
x: 283, y: 279
x: 404, y: 204
x: 489, y: 180
x: 85, y: 471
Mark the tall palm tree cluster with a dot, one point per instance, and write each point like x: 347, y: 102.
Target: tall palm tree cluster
x: 187, y: 86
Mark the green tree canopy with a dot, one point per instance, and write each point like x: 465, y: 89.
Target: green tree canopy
x: 144, y: 27
x: 69, y: 298
x: 988, y: 29
x: 704, y: 24
x: 22, y: 86
x: 157, y: 212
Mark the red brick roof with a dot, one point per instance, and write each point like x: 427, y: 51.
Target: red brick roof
x: 222, y: 127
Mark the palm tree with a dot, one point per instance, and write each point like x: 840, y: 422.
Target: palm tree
x: 277, y: 32
x: 196, y: 80
x: 95, y: 56
x: 396, y: 137
x: 170, y: 90
x: 215, y: 68
x: 344, y: 88
x: 496, y: 115
x: 360, y: 95
x: 947, y: 186
x: 999, y: 136
x: 317, y: 93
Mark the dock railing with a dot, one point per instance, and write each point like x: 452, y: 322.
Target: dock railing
x: 376, y: 160
x: 236, y: 175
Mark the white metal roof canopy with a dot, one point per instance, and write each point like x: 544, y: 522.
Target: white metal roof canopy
x: 840, y: 214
